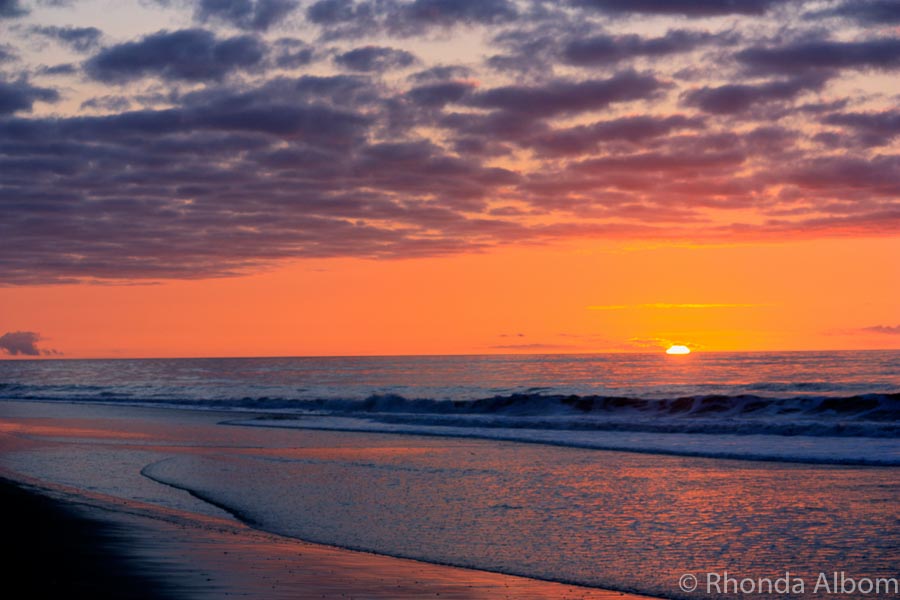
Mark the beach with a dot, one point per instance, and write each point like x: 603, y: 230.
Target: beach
x: 84, y: 551
x: 206, y: 504
x: 75, y: 542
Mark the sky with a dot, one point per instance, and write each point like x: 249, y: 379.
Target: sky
x: 342, y: 177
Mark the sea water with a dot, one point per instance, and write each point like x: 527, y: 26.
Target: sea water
x: 422, y: 457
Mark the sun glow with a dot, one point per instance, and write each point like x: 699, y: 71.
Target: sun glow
x: 678, y: 349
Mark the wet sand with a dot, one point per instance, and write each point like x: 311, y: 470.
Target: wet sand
x: 85, y: 550
x: 74, y: 543
x: 56, y: 551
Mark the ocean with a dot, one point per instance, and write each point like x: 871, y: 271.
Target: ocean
x: 717, y: 401
x: 621, y: 471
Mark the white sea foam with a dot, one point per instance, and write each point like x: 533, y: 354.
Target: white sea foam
x: 809, y: 449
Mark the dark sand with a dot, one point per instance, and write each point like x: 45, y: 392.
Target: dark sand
x: 69, y: 543
x: 57, y: 553
x: 85, y: 550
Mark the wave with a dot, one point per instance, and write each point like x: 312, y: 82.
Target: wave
x: 809, y: 414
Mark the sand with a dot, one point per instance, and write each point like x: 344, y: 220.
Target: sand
x: 73, y: 543
x: 86, y: 550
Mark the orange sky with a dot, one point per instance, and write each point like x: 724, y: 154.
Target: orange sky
x: 483, y: 177
x: 797, y: 296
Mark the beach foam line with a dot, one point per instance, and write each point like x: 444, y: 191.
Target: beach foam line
x: 205, y: 557
x: 202, y: 556
x: 778, y: 448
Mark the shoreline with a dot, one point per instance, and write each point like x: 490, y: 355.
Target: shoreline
x: 101, y: 548
x: 144, y: 473
x: 63, y: 552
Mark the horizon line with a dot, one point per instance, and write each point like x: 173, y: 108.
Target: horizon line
x: 440, y: 355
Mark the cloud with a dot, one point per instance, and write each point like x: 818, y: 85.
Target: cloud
x: 567, y: 97
x: 293, y: 53
x: 866, y: 12
x: 185, y: 55
x: 60, y: 69
x: 11, y: 9
x: 737, y: 98
x: 20, y: 96
x: 803, y: 56
x: 609, y: 49
x: 884, y: 329
x: 871, y: 128
x: 440, y: 94
x: 533, y: 346
x: 587, y: 138
x: 375, y: 58
x: 80, y: 39
x: 107, y: 103
x: 220, y: 157
x: 22, y: 343
x: 349, y: 18
x: 687, y: 8
x: 441, y: 73
x: 254, y: 15
x: 843, y: 175
x: 7, y: 53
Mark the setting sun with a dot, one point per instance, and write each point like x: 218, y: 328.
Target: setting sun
x: 678, y: 349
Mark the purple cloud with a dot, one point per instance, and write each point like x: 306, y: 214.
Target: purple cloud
x: 202, y: 152
x: 608, y: 49
x: 256, y: 15
x: 885, y: 329
x: 21, y: 343
x: 687, y: 8
x: 375, y: 58
x: 11, y: 9
x: 20, y: 96
x: 186, y: 55
x: 80, y: 39
x: 805, y: 55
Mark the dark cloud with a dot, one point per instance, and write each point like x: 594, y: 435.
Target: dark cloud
x: 10, y: 9
x: 292, y: 53
x: 186, y: 55
x: 80, y: 39
x: 609, y: 49
x: 687, y: 8
x: 440, y: 94
x: 20, y: 343
x: 870, y: 128
x: 587, y: 138
x: 338, y: 12
x: 885, y: 329
x: 451, y: 12
x: 866, y: 12
x: 350, y: 18
x: 652, y: 162
x: 803, y: 56
x: 252, y: 164
x: 567, y: 97
x: 844, y: 175
x: 108, y: 103
x: 19, y: 95
x: 441, y: 73
x: 537, y: 347
x: 737, y: 98
x: 61, y: 69
x: 229, y: 181
x: 375, y: 58
x: 7, y: 53
x: 255, y: 15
